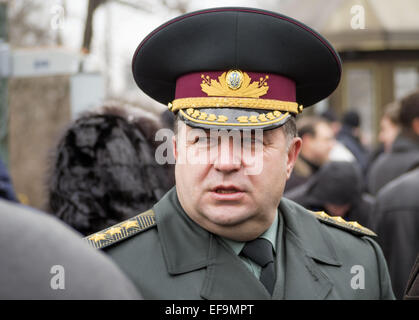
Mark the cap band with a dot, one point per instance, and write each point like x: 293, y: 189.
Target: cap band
x: 235, y: 89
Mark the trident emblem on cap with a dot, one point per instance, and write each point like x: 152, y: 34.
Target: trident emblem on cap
x: 234, y: 79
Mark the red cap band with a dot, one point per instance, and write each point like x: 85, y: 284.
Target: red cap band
x: 280, y: 88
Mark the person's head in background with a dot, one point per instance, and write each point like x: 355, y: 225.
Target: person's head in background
x: 338, y: 187
x: 352, y: 122
x: 409, y: 116
x: 104, y: 169
x: 389, y: 125
x: 318, y: 139
x: 330, y: 116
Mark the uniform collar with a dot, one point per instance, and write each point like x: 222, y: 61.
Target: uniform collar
x: 270, y: 235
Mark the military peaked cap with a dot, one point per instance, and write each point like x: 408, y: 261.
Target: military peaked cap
x: 236, y: 67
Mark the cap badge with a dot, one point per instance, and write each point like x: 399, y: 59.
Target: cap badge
x: 234, y: 79
x: 234, y: 83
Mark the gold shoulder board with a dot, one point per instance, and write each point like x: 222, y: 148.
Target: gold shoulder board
x: 352, y: 226
x: 121, y: 231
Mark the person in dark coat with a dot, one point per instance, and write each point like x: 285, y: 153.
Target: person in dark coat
x: 42, y: 258
x: 396, y: 221
x: 404, y: 154
x: 7, y: 191
x: 104, y: 170
x: 412, y: 288
x: 349, y: 137
x: 336, y: 189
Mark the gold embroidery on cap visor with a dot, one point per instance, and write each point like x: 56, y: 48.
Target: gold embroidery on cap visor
x: 244, y: 103
x: 222, y: 120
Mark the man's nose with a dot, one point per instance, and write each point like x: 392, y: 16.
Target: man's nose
x: 228, y: 157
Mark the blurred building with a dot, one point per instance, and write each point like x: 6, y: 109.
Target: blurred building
x: 44, y: 93
x: 378, y: 42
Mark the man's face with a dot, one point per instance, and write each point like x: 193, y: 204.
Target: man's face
x: 320, y: 145
x: 388, y: 133
x: 219, y: 194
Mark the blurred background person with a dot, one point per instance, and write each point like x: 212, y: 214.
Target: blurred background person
x: 337, y: 189
x: 6, y: 187
x: 350, y: 136
x: 404, y: 153
x: 396, y: 221
x: 389, y: 126
x: 317, y: 142
x: 389, y: 130
x: 104, y: 170
x: 339, y: 152
x: 42, y: 258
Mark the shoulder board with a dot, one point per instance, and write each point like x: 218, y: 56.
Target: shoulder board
x: 351, y: 226
x: 121, y: 231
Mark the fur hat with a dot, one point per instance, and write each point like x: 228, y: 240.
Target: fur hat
x: 104, y: 170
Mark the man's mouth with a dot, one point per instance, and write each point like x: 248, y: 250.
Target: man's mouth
x: 226, y: 191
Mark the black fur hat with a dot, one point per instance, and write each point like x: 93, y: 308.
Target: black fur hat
x: 104, y: 170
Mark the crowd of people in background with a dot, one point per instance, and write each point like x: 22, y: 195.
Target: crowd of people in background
x: 103, y: 171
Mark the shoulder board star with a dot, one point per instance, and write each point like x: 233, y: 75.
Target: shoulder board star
x: 113, y: 230
x: 124, y: 230
x: 97, y: 237
x: 129, y: 224
x: 352, y: 226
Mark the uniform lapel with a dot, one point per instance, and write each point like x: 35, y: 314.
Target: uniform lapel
x: 306, y: 247
x: 228, y: 278
x: 185, y: 245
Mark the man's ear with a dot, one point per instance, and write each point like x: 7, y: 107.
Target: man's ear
x: 293, y: 151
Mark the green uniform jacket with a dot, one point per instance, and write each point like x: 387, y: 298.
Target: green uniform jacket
x: 174, y: 258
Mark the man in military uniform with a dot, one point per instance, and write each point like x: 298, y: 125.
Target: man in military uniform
x: 223, y: 232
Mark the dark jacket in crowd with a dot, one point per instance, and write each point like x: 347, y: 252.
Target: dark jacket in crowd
x: 396, y: 221
x: 403, y: 157
x: 412, y: 288
x: 302, y: 172
x: 354, y: 145
x: 6, y: 188
x: 338, y: 183
x: 104, y: 170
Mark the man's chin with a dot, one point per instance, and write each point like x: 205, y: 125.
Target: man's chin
x: 227, y: 215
